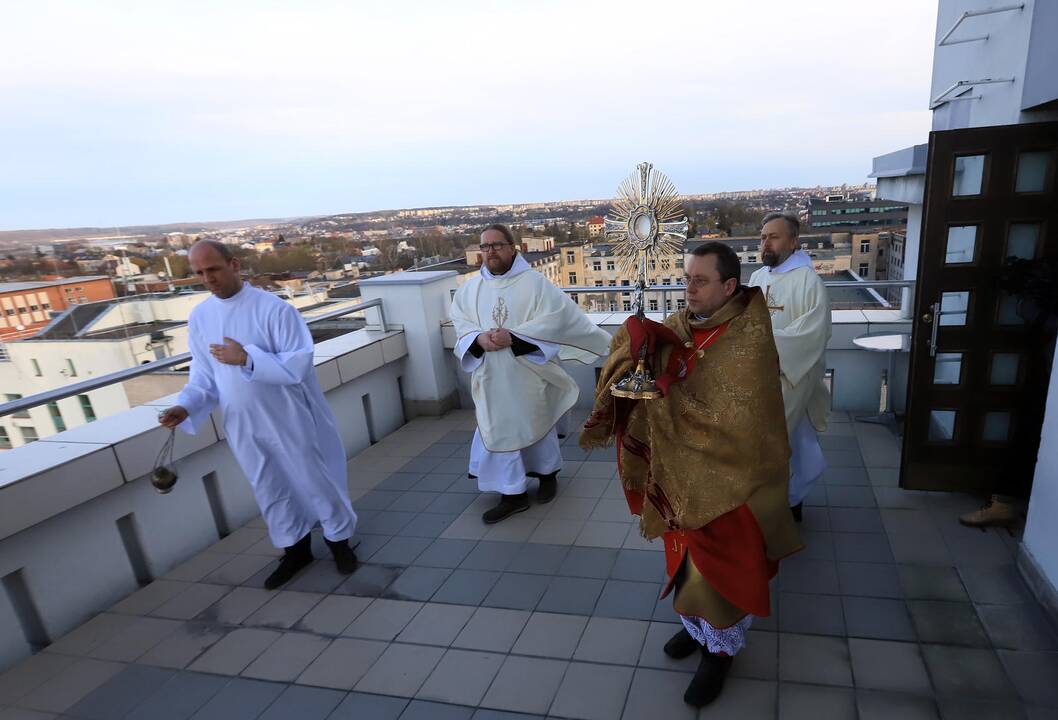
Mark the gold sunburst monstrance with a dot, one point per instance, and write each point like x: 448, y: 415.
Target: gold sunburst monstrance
x: 647, y: 224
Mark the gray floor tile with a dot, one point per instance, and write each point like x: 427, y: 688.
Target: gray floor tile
x: 596, y: 533
x: 198, y: 567
x: 967, y: 672
x: 150, y: 597
x: 303, y: 703
x: 809, y: 702
x: 32, y: 672
x: 858, y: 520
x: 539, y: 559
x: 461, y: 677
x: 194, y: 599
x: 589, y: 562
x: 466, y: 587
x: 884, y: 665
x: 550, y: 635
x: 180, y: 697
x: 878, y: 618
x: 435, y: 483
x: 414, y: 501
x: 948, y: 623
x: 236, y: 606
x: 492, y: 630
x: 843, y: 458
x: 238, y: 569
x: 1034, y: 675
x: 376, y: 500
x: 429, y: 525
x: 183, y: 646
x: 240, y: 540
x: 240, y: 699
x: 436, y: 624
x: 235, y: 651
x: 332, y: 614
x: 387, y: 522
x: 450, y: 503
x: 320, y: 577
x: 814, y: 659
x: 121, y: 693
x: 420, y: 465
x: 815, y: 518
x: 369, y: 581
x: 1017, y: 627
x: 805, y: 575
x: 869, y: 580
x: 610, y: 640
x: 446, y: 553
x: 383, y: 619
x: 571, y: 595
x: 818, y: 545
x: 996, y: 585
x: 924, y: 582
x: 85, y: 638
x: 284, y: 610
x: 846, y: 476
x: 631, y: 600
x: 850, y: 496
x: 429, y: 710
x: 400, y: 550
x: 638, y: 566
x: 556, y: 532
x: 517, y: 591
x: 759, y: 659
x: 525, y: 684
x: 653, y: 654
x: 486, y: 714
x: 141, y: 635
x: 862, y: 547
x: 488, y: 555
x: 811, y: 614
x: 367, y: 545
x: 875, y: 705
x: 592, y: 692
x: 744, y: 698
x: 417, y: 583
x: 401, y: 670
x: 567, y: 507
x: 658, y: 694
x: 343, y: 663
x: 73, y: 683
x: 287, y: 657
x: 361, y: 706
x: 955, y: 708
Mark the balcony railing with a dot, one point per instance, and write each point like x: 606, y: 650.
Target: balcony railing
x: 79, y: 388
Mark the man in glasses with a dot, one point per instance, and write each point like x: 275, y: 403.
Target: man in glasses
x: 800, y: 318
x: 706, y: 465
x: 513, y: 327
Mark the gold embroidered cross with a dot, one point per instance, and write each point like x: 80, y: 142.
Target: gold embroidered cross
x: 773, y: 308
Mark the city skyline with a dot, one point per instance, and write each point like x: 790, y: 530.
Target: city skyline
x: 133, y: 115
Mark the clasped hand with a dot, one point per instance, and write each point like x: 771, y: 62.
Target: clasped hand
x: 495, y: 339
x: 230, y: 353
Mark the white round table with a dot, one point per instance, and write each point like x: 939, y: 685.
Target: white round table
x: 890, y: 343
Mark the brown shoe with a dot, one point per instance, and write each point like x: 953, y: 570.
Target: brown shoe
x: 996, y: 513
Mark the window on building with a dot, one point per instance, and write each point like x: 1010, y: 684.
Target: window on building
x: 86, y: 407
x: 613, y: 283
x: 625, y: 282
x: 36, y: 367
x: 865, y: 268
x: 668, y: 305
x: 596, y: 266
x: 573, y: 297
x: 751, y: 258
x: 79, y: 289
x: 572, y: 278
x: 865, y: 246
x: 46, y: 305
x: 71, y: 368
x: 11, y: 397
x: 10, y: 311
x: 34, y: 308
x: 598, y: 283
x: 626, y: 305
x: 679, y: 263
x: 681, y: 304
x: 571, y: 257
x: 610, y: 265
x: 653, y: 304
x: 29, y: 433
x: 5, y: 440
x: 613, y: 307
x: 56, y: 416
x: 67, y: 290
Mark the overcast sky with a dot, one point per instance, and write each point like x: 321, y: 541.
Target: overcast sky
x: 119, y: 113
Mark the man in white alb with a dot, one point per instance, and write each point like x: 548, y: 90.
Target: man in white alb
x: 800, y: 318
x: 513, y: 327
x: 251, y: 354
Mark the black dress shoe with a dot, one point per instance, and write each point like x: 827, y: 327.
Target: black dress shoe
x: 709, y: 680
x: 796, y: 511
x: 548, y: 488
x: 508, y: 505
x: 295, y: 558
x: 681, y: 645
x: 344, y: 556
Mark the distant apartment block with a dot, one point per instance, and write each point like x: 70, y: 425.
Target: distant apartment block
x: 25, y: 307
x: 840, y: 214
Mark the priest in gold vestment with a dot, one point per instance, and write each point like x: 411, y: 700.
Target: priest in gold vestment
x: 706, y: 467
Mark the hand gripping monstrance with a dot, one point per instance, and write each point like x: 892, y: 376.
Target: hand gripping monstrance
x: 648, y: 227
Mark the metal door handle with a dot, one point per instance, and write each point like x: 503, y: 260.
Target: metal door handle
x: 933, y: 318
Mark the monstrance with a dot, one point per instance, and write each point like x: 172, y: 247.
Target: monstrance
x: 649, y: 228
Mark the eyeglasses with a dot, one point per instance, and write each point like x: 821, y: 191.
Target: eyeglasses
x: 493, y: 247
x: 696, y: 282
